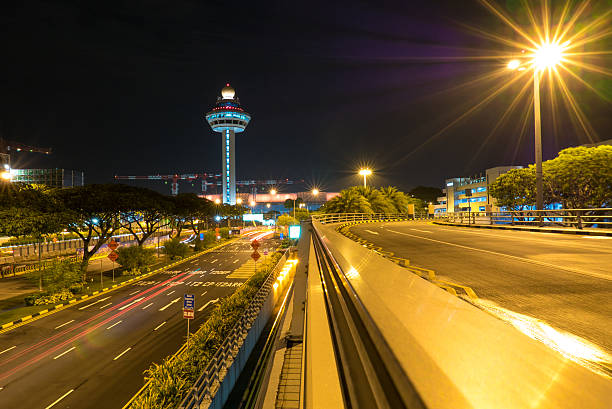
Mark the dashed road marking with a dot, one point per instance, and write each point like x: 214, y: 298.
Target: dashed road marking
x: 173, y: 291
x: 137, y: 291
x: 60, y: 398
x: 133, y: 302
x: 422, y: 231
x: 204, y: 292
x: 65, y: 323
x: 64, y: 353
x: 169, y: 304
x: 116, y: 323
x: 147, y: 306
x: 159, y: 326
x: 15, y: 346
x: 370, y: 231
x: 106, y: 305
x: 93, y: 303
x: 207, y: 304
x: 214, y: 261
x: 119, y: 356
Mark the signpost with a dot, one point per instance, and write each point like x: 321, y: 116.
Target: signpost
x: 255, y: 256
x: 113, y: 256
x: 188, y: 310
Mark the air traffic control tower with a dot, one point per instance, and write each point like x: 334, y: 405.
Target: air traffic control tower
x: 228, y: 118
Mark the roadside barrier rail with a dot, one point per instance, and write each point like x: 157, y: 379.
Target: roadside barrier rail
x: 402, y: 342
x: 214, y: 385
x: 356, y: 217
x: 569, y: 218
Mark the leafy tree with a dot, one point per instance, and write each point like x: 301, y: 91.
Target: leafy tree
x: 290, y: 203
x: 92, y: 213
x: 349, y: 201
x: 514, y: 189
x: 135, y: 257
x: 146, y: 214
x: 59, y: 275
x: 301, y: 214
x: 580, y: 177
x: 175, y: 249
x: 286, y: 220
x: 201, y: 212
x: 232, y: 211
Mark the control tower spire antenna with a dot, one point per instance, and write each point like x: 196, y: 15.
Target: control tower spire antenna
x: 228, y: 118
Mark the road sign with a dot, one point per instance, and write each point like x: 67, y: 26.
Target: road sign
x: 189, y: 314
x: 113, y: 256
x: 113, y: 245
x: 255, y: 256
x: 201, y: 236
x: 255, y: 245
x: 188, y: 302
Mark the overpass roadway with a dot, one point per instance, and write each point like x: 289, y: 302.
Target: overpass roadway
x: 93, y: 354
x: 554, y: 287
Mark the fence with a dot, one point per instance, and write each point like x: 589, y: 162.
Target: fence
x: 213, y: 387
x: 355, y: 217
x: 569, y: 218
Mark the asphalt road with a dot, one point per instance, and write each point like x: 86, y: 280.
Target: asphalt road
x: 562, y: 280
x: 93, y: 354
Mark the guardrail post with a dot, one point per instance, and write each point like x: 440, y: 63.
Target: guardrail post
x: 579, y: 219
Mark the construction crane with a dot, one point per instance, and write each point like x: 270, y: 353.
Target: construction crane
x: 208, y: 179
x: 7, y: 146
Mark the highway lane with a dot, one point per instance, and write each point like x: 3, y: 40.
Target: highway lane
x: 562, y: 280
x: 95, y: 352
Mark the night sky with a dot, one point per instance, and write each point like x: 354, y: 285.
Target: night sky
x: 120, y: 87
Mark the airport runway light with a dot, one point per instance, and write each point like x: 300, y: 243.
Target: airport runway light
x: 365, y: 173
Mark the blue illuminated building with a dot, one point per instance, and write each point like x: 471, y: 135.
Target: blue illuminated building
x: 228, y: 118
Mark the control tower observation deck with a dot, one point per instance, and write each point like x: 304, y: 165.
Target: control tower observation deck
x: 228, y: 118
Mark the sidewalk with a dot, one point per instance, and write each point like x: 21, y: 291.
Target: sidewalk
x: 562, y: 230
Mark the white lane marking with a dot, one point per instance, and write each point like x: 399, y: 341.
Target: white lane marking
x: 597, y: 237
x: 119, y: 356
x: 207, y: 304
x: 215, y: 260
x: 60, y: 398
x: 137, y: 291
x: 106, y: 305
x: 147, y: 306
x: 237, y: 260
x: 169, y: 304
x: 526, y: 260
x: 370, y: 231
x: 93, y: 303
x: 65, y: 323
x: 133, y: 302
x: 204, y: 292
x: 422, y: 231
x: 171, y: 292
x: 116, y: 323
x: 64, y: 353
x: 159, y: 326
x: 8, y: 349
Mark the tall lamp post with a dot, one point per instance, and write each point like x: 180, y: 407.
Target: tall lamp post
x: 365, y: 173
x: 545, y: 56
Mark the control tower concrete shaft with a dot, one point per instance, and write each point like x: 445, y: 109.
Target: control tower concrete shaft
x: 228, y: 118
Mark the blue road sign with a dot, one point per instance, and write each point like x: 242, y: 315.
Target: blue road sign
x: 201, y: 236
x: 189, y: 302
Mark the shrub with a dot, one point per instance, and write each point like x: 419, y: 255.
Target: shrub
x: 58, y: 275
x: 135, y: 257
x: 171, y: 379
x: 175, y: 249
x: 286, y: 220
x: 224, y: 232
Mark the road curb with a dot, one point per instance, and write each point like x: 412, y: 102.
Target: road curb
x: 529, y: 229
x: 57, y: 307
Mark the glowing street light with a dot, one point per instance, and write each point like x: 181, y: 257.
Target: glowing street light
x: 252, y: 203
x: 365, y: 173
x: 5, y: 176
x: 315, y: 191
x: 217, y: 201
x: 239, y: 201
x: 546, y: 56
x: 272, y: 191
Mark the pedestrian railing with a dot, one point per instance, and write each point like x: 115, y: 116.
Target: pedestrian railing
x: 214, y: 385
x: 568, y: 218
x: 363, y: 217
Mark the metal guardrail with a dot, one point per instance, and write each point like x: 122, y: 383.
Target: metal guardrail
x: 568, y: 218
x: 356, y: 217
x: 212, y: 388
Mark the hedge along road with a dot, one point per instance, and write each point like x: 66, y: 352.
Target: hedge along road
x: 525, y: 278
x: 93, y: 354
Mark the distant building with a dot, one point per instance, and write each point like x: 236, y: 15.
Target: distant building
x: 264, y: 202
x: 49, y: 177
x: 480, y: 201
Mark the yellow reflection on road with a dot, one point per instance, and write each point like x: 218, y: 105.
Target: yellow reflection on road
x: 569, y: 345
